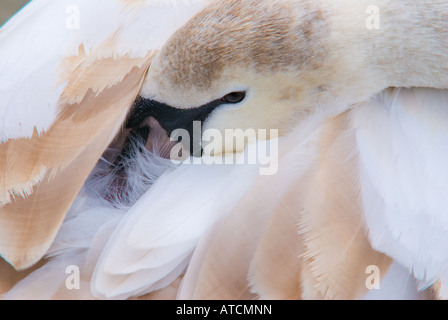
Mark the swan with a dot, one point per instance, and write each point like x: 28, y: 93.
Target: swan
x: 289, y: 59
x: 319, y: 116
x: 283, y: 63
x: 238, y: 238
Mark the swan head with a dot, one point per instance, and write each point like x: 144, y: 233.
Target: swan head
x: 249, y: 65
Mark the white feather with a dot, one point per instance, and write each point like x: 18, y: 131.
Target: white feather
x: 162, y: 229
x: 396, y: 284
x: 130, y: 254
x: 403, y: 144
x: 75, y: 242
x: 124, y: 253
x: 401, y: 135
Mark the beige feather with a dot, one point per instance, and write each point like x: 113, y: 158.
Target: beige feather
x: 226, y: 253
x: 434, y: 292
x: 8, y: 277
x: 43, y: 174
x: 276, y: 268
x: 297, y: 234
x: 337, y: 250
x: 228, y: 263
x: 222, y: 275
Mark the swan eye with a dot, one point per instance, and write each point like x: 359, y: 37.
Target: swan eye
x: 234, y: 97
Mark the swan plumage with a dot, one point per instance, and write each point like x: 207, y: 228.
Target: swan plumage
x: 72, y: 79
x: 360, y: 178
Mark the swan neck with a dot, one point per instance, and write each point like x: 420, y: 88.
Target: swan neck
x: 396, y: 43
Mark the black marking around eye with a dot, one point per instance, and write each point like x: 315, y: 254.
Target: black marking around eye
x: 169, y: 118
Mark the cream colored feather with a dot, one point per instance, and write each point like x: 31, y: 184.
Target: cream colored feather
x: 337, y: 251
x: 82, y: 91
x: 275, y: 270
x: 67, y: 154
x: 306, y: 237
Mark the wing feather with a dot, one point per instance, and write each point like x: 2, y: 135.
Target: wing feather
x: 236, y: 259
x: 66, y: 153
x: 304, y: 239
x: 61, y: 107
x: 157, y: 237
x: 403, y: 155
x: 337, y: 250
